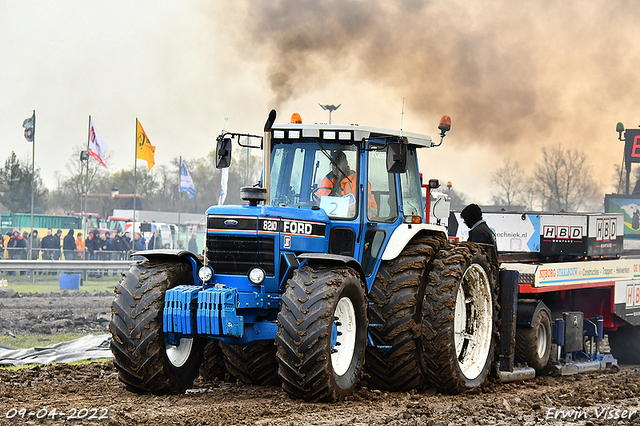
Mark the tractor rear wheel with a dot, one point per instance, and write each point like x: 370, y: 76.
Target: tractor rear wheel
x: 625, y: 344
x: 252, y: 363
x: 533, y: 344
x: 322, y: 333
x: 459, y: 313
x: 145, y: 361
x: 396, y: 310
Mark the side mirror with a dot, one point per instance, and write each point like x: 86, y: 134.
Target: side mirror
x: 396, y: 157
x: 223, y: 153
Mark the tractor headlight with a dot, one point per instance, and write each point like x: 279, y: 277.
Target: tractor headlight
x: 256, y: 276
x: 205, y: 273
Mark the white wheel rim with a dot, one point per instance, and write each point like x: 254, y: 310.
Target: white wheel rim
x: 542, y: 341
x: 342, y: 353
x: 178, y: 355
x: 473, y: 322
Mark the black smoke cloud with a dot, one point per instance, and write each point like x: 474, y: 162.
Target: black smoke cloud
x: 509, y: 73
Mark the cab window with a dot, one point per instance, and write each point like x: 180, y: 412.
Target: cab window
x: 382, y: 189
x: 410, y: 184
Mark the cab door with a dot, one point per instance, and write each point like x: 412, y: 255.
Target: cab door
x: 379, y: 208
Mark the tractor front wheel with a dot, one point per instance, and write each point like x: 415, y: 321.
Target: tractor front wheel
x: 322, y: 332
x: 145, y: 360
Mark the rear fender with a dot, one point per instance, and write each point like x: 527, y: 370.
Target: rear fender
x: 166, y: 255
x: 404, y: 233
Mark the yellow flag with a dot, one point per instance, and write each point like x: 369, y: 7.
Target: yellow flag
x: 144, y: 150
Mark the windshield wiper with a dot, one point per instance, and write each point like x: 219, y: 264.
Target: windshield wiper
x: 326, y: 154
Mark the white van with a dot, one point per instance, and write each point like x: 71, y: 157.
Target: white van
x: 167, y: 232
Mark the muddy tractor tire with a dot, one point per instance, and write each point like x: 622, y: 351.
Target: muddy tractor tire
x: 396, y: 310
x: 322, y: 333
x: 146, y: 363
x: 253, y: 363
x: 625, y: 344
x: 213, y: 367
x: 460, y: 316
x: 533, y: 344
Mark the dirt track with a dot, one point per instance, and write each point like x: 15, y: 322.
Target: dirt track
x: 96, y: 387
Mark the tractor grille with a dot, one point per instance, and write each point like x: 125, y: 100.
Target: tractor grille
x: 235, y: 255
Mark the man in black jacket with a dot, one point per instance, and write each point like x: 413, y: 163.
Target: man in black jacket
x: 69, y: 246
x: 479, y: 231
x: 48, y: 246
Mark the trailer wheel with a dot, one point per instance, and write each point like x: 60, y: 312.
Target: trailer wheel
x: 252, y: 363
x: 459, y: 313
x: 322, y: 332
x: 625, y: 344
x: 144, y: 360
x: 212, y: 366
x: 533, y: 344
x: 396, y: 309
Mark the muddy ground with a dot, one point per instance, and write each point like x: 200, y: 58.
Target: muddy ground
x: 586, y: 399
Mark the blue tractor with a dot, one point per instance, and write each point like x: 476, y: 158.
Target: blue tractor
x: 329, y: 275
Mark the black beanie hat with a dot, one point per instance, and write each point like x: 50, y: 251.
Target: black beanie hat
x: 471, y: 214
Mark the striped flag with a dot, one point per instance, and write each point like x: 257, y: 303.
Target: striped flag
x: 96, y: 145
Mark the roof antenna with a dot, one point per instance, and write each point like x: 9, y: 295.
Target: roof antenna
x: 402, y: 117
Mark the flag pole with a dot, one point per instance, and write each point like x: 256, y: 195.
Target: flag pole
x: 33, y: 171
x: 86, y: 185
x: 135, y: 188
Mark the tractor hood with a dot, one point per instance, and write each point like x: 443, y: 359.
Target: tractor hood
x: 292, y: 229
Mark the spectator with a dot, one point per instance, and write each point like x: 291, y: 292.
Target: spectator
x: 56, y: 249
x: 193, y: 244
x: 118, y: 245
x: 69, y: 246
x: 103, y: 247
x: 180, y: 244
x: 137, y: 244
x: 25, y: 247
x: 48, y: 244
x: 90, y: 246
x: 155, y: 242
x: 108, y: 238
x: 79, y: 246
x: 35, y: 245
x: 6, y: 239
x: 16, y: 245
x: 127, y: 239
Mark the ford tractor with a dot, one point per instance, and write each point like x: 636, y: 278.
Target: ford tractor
x: 330, y: 274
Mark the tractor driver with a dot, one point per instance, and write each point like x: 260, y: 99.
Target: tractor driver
x: 347, y: 182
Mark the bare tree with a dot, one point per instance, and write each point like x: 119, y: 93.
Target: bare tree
x: 510, y: 183
x: 564, y: 179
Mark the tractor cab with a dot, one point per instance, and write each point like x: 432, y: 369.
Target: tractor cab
x: 365, y: 180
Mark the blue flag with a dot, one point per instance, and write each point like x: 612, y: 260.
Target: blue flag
x: 186, y: 183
